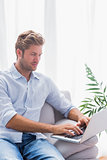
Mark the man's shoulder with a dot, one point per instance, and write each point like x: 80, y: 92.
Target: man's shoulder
x: 4, y: 76
x: 4, y: 73
x: 44, y: 79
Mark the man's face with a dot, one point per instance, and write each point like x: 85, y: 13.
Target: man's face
x: 31, y: 58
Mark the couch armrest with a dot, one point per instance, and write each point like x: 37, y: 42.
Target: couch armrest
x: 58, y: 115
x: 47, y: 114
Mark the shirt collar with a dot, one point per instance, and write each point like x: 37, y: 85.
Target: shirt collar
x: 34, y: 75
x: 17, y: 75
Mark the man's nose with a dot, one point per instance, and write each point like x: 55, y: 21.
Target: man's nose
x: 37, y: 58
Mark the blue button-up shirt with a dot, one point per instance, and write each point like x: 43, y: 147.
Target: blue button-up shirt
x: 19, y: 96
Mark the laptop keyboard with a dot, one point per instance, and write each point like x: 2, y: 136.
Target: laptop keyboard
x: 74, y: 137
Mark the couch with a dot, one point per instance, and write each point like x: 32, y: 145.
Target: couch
x: 85, y: 151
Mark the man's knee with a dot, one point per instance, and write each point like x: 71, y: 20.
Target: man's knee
x: 87, y: 154
x: 91, y: 142
x: 68, y: 149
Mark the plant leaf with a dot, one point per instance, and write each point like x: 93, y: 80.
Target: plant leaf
x: 105, y: 89
x: 91, y: 78
x: 95, y: 99
x: 87, y: 111
x: 100, y: 108
x: 86, y: 101
x: 97, y: 92
x: 92, y: 84
x: 93, y: 89
x: 91, y: 104
x: 90, y: 114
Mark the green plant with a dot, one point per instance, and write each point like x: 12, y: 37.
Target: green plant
x: 98, y: 96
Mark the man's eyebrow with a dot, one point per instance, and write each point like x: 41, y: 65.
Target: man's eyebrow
x: 36, y: 53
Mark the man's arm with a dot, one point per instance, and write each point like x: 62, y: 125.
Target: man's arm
x: 23, y: 124
x: 76, y: 115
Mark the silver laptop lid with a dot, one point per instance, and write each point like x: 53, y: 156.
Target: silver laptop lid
x: 96, y: 125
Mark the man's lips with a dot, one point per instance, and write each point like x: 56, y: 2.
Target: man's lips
x: 34, y: 64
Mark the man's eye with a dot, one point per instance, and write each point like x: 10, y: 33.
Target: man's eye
x: 32, y: 54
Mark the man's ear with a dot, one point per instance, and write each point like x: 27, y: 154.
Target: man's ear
x: 19, y: 53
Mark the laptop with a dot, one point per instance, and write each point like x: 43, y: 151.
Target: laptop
x: 96, y: 125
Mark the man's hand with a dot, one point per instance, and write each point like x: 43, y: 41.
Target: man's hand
x: 83, y: 120
x: 66, y: 128
x: 76, y: 115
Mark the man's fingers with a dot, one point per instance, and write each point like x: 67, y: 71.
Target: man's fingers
x: 74, y: 130
x: 70, y: 133
x: 83, y: 120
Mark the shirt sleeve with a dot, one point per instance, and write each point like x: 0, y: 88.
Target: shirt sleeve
x: 6, y: 108
x: 57, y: 99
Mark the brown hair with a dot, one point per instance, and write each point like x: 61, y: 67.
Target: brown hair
x: 28, y: 38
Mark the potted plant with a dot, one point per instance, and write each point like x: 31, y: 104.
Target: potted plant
x: 98, y: 96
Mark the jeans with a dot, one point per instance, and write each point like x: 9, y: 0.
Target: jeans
x: 30, y: 149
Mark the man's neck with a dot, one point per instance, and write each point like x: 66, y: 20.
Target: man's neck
x: 23, y: 72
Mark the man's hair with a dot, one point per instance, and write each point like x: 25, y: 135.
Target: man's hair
x: 28, y: 38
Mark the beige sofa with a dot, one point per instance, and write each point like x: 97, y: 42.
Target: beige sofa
x: 70, y: 151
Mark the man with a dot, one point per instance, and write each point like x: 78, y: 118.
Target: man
x: 22, y: 95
